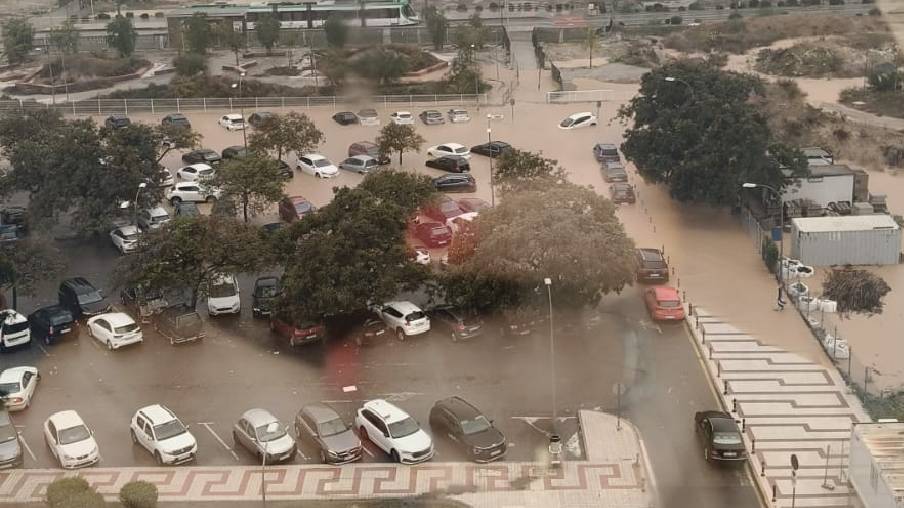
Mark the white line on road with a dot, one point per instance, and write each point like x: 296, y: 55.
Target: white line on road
x: 364, y: 447
x: 207, y: 425
x: 27, y: 448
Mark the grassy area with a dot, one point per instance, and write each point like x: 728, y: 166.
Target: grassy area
x: 880, y: 103
x: 891, y: 406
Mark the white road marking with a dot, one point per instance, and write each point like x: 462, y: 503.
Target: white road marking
x: 349, y: 388
x: 207, y: 425
x: 364, y: 447
x: 27, y: 448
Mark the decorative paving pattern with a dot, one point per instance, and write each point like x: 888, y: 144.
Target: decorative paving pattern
x: 787, y: 404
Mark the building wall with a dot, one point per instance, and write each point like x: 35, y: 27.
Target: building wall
x: 865, y: 476
x: 868, y: 247
x: 822, y: 190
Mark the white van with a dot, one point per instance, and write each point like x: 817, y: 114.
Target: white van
x: 14, y: 329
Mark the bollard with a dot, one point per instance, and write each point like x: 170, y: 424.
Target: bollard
x: 743, y: 424
x: 683, y: 295
x: 718, y: 369
x: 703, y: 333
x: 734, y: 405
x: 774, y: 492
x: 725, y: 387
x: 763, y: 468
x: 753, y: 446
x: 696, y: 316
x: 679, y: 282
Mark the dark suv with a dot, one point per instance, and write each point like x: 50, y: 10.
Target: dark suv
x: 651, y: 266
x: 117, y: 121
x: 606, y: 152
x: 468, y: 428
x: 82, y: 298
x: 50, y: 324
x: 459, y: 324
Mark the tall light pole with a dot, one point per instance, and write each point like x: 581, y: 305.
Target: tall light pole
x: 125, y: 204
x: 240, y: 86
x: 491, y: 117
x: 781, y: 221
x: 552, y: 356
x: 673, y: 79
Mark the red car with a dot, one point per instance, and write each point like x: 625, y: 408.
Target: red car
x: 297, y: 334
x: 433, y: 234
x: 664, y: 303
x: 442, y: 209
x: 293, y: 208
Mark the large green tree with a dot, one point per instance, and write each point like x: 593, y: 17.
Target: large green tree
x: 382, y: 65
x: 697, y: 130
x: 336, y: 31
x: 255, y: 180
x: 65, y: 38
x: 399, y: 139
x: 522, y: 170
x: 121, y: 35
x: 267, y: 30
x: 197, y: 33
x: 25, y: 264
x: 292, y: 132
x: 232, y: 39
x: 18, y: 39
x: 437, y: 25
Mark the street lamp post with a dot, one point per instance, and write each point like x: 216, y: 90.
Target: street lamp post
x: 781, y: 221
x: 125, y: 204
x: 552, y: 356
x: 240, y: 86
x: 492, y: 178
x: 673, y: 79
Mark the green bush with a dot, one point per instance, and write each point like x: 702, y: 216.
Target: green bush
x: 73, y: 492
x: 735, y: 15
x: 138, y: 494
x: 190, y: 64
x: 770, y: 254
x: 675, y: 20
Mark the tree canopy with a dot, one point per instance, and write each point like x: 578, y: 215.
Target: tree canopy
x: 121, y: 35
x: 18, y: 39
x: 336, y: 31
x: 856, y: 291
x: 700, y: 133
x: 521, y: 170
x: 267, y: 30
x: 65, y: 38
x: 437, y: 25
x: 396, y: 138
x: 197, y: 33
x: 255, y: 180
x: 26, y: 263
x: 292, y: 132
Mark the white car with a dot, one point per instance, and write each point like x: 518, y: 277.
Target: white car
x: 232, y: 122
x: 459, y: 116
x: 394, y: 431
x: 402, y: 118
x: 192, y: 192
x: 70, y: 440
x: 455, y: 223
x: 195, y: 172
x: 17, y: 384
x: 153, y: 219
x: 317, y: 165
x: 125, y: 238
x: 14, y: 329
x: 158, y: 431
x: 449, y: 149
x: 369, y: 117
x: 421, y: 256
x: 223, y: 296
x: 166, y: 178
x: 404, y: 318
x: 115, y: 330
x: 578, y: 120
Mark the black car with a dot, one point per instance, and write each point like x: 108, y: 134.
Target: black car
x: 82, y: 298
x: 605, y: 152
x: 492, y: 149
x: 52, y: 323
x: 651, y: 266
x: 455, y: 183
x: 202, y: 156
x: 176, y: 120
x: 473, y: 432
x: 257, y: 119
x: 721, y: 436
x: 519, y: 321
x: 266, y: 291
x: 372, y: 329
x: 345, y: 118
x: 15, y: 216
x: 142, y: 302
x: 460, y: 325
x: 117, y: 121
x: 180, y: 323
x: 450, y: 163
x: 622, y: 193
x: 234, y: 152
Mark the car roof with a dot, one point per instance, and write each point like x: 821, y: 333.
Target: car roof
x: 117, y: 116
x: 650, y: 254
x: 157, y: 414
x: 452, y: 145
x: 200, y: 166
x: 606, y: 146
x: 621, y: 186
x: 65, y: 419
x: 157, y: 211
x: 179, y: 185
x: 368, y: 112
x: 257, y: 417
x: 176, y: 115
x: 128, y: 229
x: 314, y: 156
x: 233, y: 116
x: 364, y: 158
x: 267, y: 280
x: 403, y: 306
x: 13, y: 374
x: 583, y: 113
x: 390, y: 413
x: 402, y: 113
x: 297, y: 199
x: 116, y: 318
x: 235, y: 147
x: 665, y: 293
x: 460, y: 407
x: 432, y: 111
x: 53, y: 309
x: 320, y: 413
x: 79, y: 284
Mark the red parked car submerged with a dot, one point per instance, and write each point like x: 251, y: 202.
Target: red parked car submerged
x: 664, y: 303
x: 433, y: 234
x: 297, y: 334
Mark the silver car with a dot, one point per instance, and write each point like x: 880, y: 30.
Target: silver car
x: 259, y: 432
x: 361, y: 164
x: 432, y: 117
x: 321, y: 427
x: 10, y: 451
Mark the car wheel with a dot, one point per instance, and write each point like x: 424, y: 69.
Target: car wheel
x: 110, y: 345
x: 211, y: 199
x: 318, y: 175
x: 175, y: 201
x: 395, y: 456
x: 362, y: 434
x: 706, y: 454
x: 400, y: 335
x: 158, y: 458
x: 90, y: 333
x: 133, y: 436
x: 323, y: 457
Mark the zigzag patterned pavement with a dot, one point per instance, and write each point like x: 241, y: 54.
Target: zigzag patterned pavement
x: 787, y: 404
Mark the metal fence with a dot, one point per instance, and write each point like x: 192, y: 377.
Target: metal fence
x: 577, y: 96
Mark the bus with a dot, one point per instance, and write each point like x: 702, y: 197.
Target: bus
x: 314, y: 14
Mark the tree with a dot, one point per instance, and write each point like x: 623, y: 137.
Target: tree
x: 399, y: 138
x: 382, y: 65
x: 197, y: 33
x: 286, y: 133
x: 267, y: 30
x: 591, y: 42
x: 231, y: 39
x: 18, y: 39
x: 471, y: 37
x: 406, y: 190
x: 463, y: 78
x: 518, y: 170
x: 700, y: 133
x: 855, y: 291
x: 190, y: 64
x: 885, y: 77
x: 121, y: 35
x: 73, y: 492
x: 27, y: 263
x: 333, y: 64
x: 254, y: 179
x: 187, y: 253
x: 65, y: 38
x: 138, y: 494
x: 437, y: 25
x: 336, y: 31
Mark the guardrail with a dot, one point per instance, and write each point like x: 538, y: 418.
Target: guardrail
x: 577, y: 96
x: 127, y: 106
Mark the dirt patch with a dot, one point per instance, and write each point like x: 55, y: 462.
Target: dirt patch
x: 889, y: 103
x: 76, y: 68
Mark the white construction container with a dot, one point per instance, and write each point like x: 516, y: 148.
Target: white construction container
x: 875, y: 462
x: 846, y: 240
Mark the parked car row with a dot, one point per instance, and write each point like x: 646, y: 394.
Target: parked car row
x: 370, y: 117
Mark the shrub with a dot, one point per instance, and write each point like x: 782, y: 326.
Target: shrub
x: 875, y: 12
x: 102, y: 15
x: 836, y: 2
x: 189, y: 64
x: 720, y: 7
x: 681, y: 8
x: 675, y: 20
x: 159, y: 15
x: 494, y: 7
x: 735, y: 15
x: 765, y: 3
x: 73, y: 492
x: 753, y: 4
x: 138, y: 494
x: 695, y: 6
x: 478, y: 8
x: 130, y: 14
x: 461, y: 8
x: 770, y: 254
x: 144, y: 15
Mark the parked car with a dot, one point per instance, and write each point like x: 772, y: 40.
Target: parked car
x: 450, y: 163
x: 191, y: 191
x: 664, y: 303
x: 232, y: 122
x: 442, y: 208
x: 578, y: 120
x: 370, y: 330
x: 9, y: 233
x: 82, y: 298
x: 459, y: 115
x: 15, y: 216
x: 345, y: 118
x: 50, y: 324
x: 70, y: 441
x: 614, y: 171
x: 202, y: 156
x: 468, y: 428
x: 117, y: 121
x: 293, y: 208
x: 473, y: 204
x: 234, y: 152
x: 457, y: 223
x: 393, y: 431
x: 125, y: 238
x: 266, y: 290
x: 176, y: 120
x: 455, y: 183
x: 622, y: 193
x: 152, y: 219
x: 651, y: 266
x: 519, y: 321
x: 195, y: 172
x: 419, y: 254
x: 405, y: 319
x: 223, y: 296
x: 449, y: 149
x: 160, y: 432
x: 361, y: 164
x: 402, y: 118
x: 459, y: 324
x: 10, y: 450
x: 180, y: 323
x: 369, y: 117
x: 189, y: 209
x: 143, y: 302
x: 720, y: 435
x: 285, y: 170
x: 434, y: 234
x: 17, y: 386
x: 166, y: 178
x: 14, y: 330
x: 321, y: 426
x: 317, y: 165
x: 261, y: 433
x: 432, y: 117
x: 258, y: 118
x: 297, y: 333
x: 367, y: 148
x: 115, y: 330
x: 492, y: 149
x: 606, y: 152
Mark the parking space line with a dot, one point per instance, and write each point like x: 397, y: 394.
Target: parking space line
x: 364, y: 447
x: 27, y: 448
x: 207, y: 425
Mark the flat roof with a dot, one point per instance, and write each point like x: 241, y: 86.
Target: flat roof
x: 820, y: 170
x: 844, y: 223
x: 885, y: 442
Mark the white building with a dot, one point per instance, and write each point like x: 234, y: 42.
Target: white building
x: 876, y: 464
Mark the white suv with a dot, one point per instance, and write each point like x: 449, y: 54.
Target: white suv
x: 317, y: 165
x: 223, y: 296
x: 192, y: 192
x: 394, y: 432
x: 404, y: 318
x: 157, y: 429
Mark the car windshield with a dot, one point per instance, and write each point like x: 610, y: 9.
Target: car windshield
x: 331, y: 427
x: 159, y: 218
x: 727, y: 438
x: 566, y: 122
x: 15, y: 327
x: 169, y: 429
x: 74, y: 434
x: 129, y: 328
x: 303, y: 207
x: 367, y: 113
x: 403, y: 428
x: 439, y: 231
x: 130, y: 236
x: 669, y: 304
x: 478, y: 424
x: 322, y: 163
x: 267, y: 291
x: 7, y: 433
x: 222, y: 290
x: 237, y: 120
x: 404, y: 115
x: 61, y: 318
x: 7, y: 388
x: 205, y: 172
x: 270, y: 432
x: 92, y: 297
x: 461, y: 149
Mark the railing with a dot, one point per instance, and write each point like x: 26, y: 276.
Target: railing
x: 577, y: 96
x: 127, y: 106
